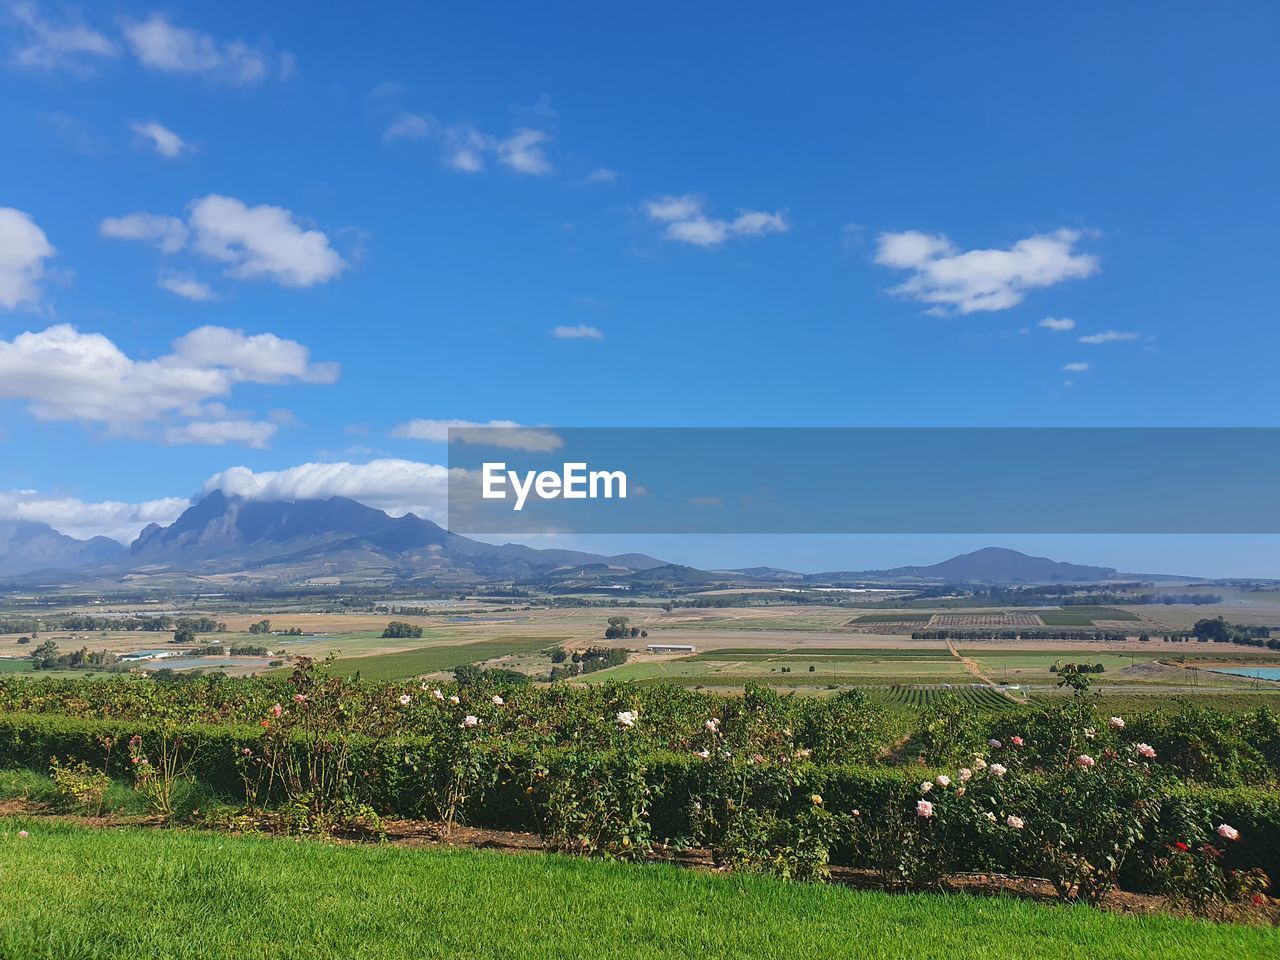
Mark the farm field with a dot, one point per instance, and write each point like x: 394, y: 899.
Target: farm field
x: 71, y: 892
x: 436, y: 659
x: 777, y: 644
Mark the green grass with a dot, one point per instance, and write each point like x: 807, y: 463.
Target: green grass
x: 73, y: 894
x: 1084, y: 616
x: 14, y: 666
x: 411, y: 663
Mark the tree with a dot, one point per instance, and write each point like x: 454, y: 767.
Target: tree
x: 619, y: 628
x: 184, y: 634
x: 45, y: 656
x: 262, y: 626
x: 398, y: 629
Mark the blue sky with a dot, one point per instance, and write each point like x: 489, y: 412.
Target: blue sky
x: 748, y: 215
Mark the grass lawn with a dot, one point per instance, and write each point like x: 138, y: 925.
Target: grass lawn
x: 70, y: 892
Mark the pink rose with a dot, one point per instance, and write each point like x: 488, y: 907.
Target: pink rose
x: 1085, y: 761
x: 1228, y: 832
x: 924, y: 808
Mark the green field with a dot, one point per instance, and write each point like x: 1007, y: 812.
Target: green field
x: 1084, y: 616
x: 829, y: 667
x: 71, y: 892
x: 434, y: 659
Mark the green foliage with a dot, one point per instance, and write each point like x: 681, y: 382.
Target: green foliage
x: 79, y: 784
x: 399, y: 630
x: 950, y: 731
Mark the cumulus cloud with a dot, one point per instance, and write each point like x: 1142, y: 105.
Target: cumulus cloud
x: 524, y: 152
x: 1077, y: 367
x: 63, y: 374
x: 23, y: 251
x: 469, y: 149
x: 81, y: 519
x: 687, y: 223
x: 188, y: 288
x: 254, y: 242
x: 48, y: 46
x: 952, y: 280
x: 580, y: 332
x: 396, y: 486
x: 262, y: 241
x: 252, y: 433
x: 496, y: 433
x: 167, y: 233
x: 1109, y: 336
x: 161, y: 139
x: 262, y: 358
x: 1057, y: 324
x: 164, y: 47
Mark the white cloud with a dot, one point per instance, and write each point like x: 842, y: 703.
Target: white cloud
x: 686, y: 222
x: 255, y: 242
x: 262, y: 241
x: 469, y: 149
x: 23, y: 250
x: 167, y: 233
x: 601, y: 175
x: 76, y: 518
x: 465, y: 148
x: 166, y: 48
x: 188, y: 288
x: 62, y: 374
x: 981, y: 280
x: 580, y: 332
x: 262, y: 358
x: 1109, y: 336
x: 396, y: 486
x: 523, y: 152
x: 252, y: 433
x: 669, y: 209
x: 50, y: 46
x: 1077, y: 367
x: 497, y: 433
x: 1057, y: 324
x: 410, y: 126
x: 161, y: 139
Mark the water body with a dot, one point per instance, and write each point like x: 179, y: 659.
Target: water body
x: 1257, y: 673
x: 191, y: 663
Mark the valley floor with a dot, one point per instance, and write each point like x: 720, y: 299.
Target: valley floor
x: 74, y: 892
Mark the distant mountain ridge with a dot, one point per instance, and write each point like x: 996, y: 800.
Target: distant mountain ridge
x: 301, y: 539
x: 340, y: 540
x: 998, y: 565
x: 29, y: 547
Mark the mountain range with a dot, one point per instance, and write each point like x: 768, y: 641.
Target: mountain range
x: 228, y: 539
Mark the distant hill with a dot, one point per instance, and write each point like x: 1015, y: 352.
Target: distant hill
x: 988, y: 565
x: 293, y: 541
x: 29, y: 547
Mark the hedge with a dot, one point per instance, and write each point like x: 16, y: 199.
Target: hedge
x: 394, y: 777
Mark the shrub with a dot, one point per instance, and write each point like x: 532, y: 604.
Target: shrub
x: 80, y: 784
